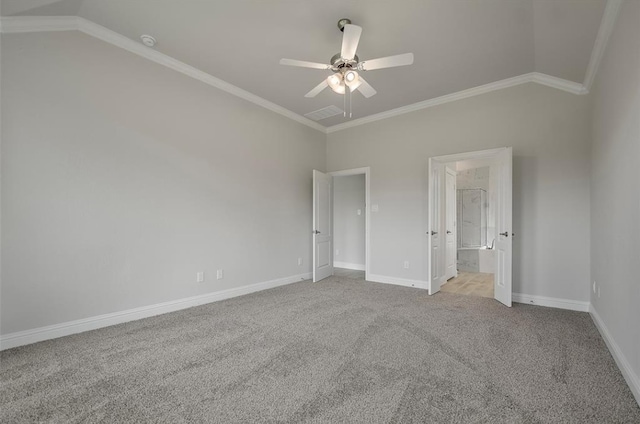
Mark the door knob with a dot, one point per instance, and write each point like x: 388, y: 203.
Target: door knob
x: 506, y: 234
x: 448, y: 232
x: 316, y: 232
x: 433, y: 233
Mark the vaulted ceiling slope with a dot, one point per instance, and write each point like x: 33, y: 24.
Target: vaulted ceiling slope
x: 458, y: 45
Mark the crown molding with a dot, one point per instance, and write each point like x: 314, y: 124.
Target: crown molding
x: 24, y: 24
x: 536, y: 77
x: 559, y: 83
x: 607, y: 24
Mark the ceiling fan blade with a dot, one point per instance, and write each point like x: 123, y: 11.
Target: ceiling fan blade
x: 317, y: 89
x: 387, y: 62
x: 350, y: 40
x: 304, y: 64
x: 366, y: 90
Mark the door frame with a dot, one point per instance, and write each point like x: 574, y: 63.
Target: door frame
x: 366, y: 171
x: 443, y: 160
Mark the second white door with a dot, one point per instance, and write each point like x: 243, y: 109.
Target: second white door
x: 451, y: 264
x: 322, y: 240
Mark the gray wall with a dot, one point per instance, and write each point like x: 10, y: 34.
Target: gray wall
x: 121, y: 179
x: 348, y: 226
x: 615, y: 186
x: 549, y: 131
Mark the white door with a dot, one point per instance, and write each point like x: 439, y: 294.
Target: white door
x: 450, y: 225
x: 503, y: 245
x: 436, y: 259
x: 322, y: 240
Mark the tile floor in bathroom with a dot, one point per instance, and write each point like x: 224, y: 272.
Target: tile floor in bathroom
x: 470, y: 283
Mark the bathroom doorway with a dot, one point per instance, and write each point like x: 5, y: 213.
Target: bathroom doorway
x: 470, y: 224
x: 470, y: 210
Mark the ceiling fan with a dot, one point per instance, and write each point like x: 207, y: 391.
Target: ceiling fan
x: 346, y: 65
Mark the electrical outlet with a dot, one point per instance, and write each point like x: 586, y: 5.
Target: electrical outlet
x: 220, y: 274
x: 594, y: 287
x: 200, y: 277
x: 299, y: 261
x: 337, y: 252
x: 406, y: 264
x: 359, y: 211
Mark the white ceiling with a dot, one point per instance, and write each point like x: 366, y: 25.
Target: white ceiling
x: 457, y: 44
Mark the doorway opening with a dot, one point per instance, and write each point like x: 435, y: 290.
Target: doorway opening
x: 470, y: 224
x: 349, y: 226
x: 341, y: 224
x: 470, y: 204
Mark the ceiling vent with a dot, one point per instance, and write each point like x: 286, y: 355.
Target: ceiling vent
x: 324, y: 113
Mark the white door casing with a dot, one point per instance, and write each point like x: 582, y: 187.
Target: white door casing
x: 436, y: 258
x: 322, y: 237
x: 450, y: 225
x: 504, y: 238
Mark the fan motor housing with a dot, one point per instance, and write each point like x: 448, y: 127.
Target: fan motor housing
x: 338, y: 64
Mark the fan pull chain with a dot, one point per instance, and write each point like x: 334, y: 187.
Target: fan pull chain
x: 344, y: 104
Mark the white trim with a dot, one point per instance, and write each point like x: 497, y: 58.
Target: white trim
x: 633, y: 380
x: 21, y: 24
x: 559, y: 83
x: 418, y: 284
x: 607, y: 25
x: 367, y: 210
x: 21, y: 338
x: 537, y: 77
x: 349, y: 265
x: 551, y: 302
x: 480, y: 154
x: 350, y: 172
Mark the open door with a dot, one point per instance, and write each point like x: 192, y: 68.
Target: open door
x: 322, y: 240
x: 450, y: 225
x: 504, y: 243
x: 436, y: 258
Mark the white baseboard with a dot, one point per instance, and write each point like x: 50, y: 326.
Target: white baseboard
x: 552, y: 302
x: 419, y: 284
x: 21, y: 338
x: 348, y: 265
x: 633, y: 380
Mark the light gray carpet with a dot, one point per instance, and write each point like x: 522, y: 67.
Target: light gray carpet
x: 342, y: 350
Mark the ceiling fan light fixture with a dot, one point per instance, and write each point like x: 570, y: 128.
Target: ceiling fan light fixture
x: 351, y: 78
x: 336, y: 83
x: 339, y: 89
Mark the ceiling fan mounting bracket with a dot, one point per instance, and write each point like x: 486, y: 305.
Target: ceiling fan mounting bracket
x: 342, y: 22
